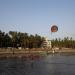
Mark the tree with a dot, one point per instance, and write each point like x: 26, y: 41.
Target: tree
x: 1, y: 38
x: 7, y: 41
x: 13, y: 38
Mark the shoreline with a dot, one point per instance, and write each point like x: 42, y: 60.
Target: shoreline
x: 25, y: 53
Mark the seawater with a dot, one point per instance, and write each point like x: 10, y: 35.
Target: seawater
x: 46, y: 65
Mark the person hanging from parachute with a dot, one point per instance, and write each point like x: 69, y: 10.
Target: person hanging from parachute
x: 54, y: 28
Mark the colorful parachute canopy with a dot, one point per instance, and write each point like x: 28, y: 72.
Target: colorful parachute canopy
x: 54, y: 28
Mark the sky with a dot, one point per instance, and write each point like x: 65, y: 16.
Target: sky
x: 37, y: 17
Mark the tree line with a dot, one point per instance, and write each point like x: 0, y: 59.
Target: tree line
x: 66, y: 42
x: 19, y: 39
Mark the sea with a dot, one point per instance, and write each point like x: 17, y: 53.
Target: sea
x: 52, y: 64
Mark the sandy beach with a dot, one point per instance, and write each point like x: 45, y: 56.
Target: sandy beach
x: 35, y: 51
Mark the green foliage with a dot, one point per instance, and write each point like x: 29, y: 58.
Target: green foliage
x: 18, y: 39
x: 66, y: 42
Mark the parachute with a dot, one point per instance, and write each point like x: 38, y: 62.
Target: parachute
x: 54, y: 28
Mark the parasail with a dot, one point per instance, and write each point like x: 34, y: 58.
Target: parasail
x: 54, y: 28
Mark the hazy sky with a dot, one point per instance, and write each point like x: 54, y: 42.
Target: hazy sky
x: 37, y: 16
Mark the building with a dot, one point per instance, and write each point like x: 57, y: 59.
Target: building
x: 46, y: 43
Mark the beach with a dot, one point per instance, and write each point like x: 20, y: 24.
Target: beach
x: 14, y: 52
